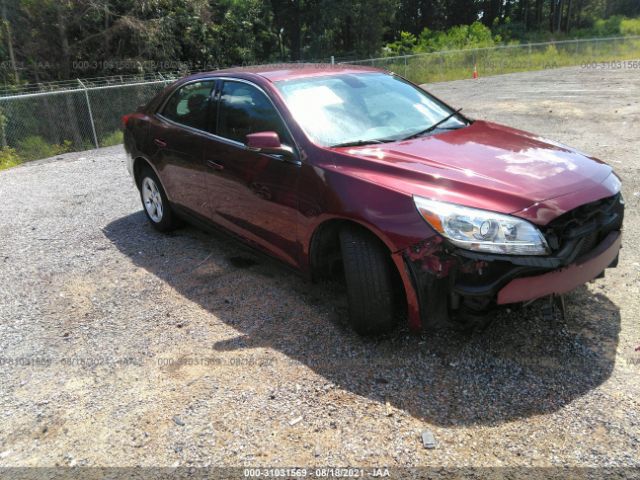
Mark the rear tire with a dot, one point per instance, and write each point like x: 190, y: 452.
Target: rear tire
x: 369, y: 274
x: 155, y: 203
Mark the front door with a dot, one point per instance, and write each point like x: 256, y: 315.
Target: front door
x: 253, y: 194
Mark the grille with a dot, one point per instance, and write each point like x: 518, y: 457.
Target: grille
x: 582, y: 228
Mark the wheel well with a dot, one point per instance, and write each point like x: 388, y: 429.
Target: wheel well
x: 138, y: 164
x: 325, y: 255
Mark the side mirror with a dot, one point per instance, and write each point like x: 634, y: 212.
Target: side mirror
x: 269, y: 143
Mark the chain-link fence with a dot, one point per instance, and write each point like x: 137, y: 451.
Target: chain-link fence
x: 459, y: 64
x: 43, y: 121
x: 79, y: 116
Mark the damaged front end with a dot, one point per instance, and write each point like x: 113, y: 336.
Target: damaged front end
x: 454, y: 285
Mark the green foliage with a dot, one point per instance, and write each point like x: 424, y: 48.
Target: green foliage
x: 613, y: 26
x: 477, y: 35
x: 35, y: 147
x: 114, y: 138
x: 630, y: 26
x: 111, y: 37
x: 607, y: 27
x: 459, y: 37
x: 8, y: 158
x: 407, y: 44
x: 454, y: 65
x: 244, y: 34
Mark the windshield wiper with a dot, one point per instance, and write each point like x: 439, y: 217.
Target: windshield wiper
x: 434, y: 126
x: 360, y: 143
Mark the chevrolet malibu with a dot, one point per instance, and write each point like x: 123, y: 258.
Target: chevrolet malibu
x: 355, y: 173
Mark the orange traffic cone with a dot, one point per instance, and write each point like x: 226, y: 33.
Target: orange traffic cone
x: 475, y: 71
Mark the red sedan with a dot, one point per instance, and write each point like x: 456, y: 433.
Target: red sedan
x: 357, y: 173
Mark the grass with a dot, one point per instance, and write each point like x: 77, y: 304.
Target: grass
x: 444, y: 66
x: 114, y: 138
x: 35, y: 147
x: 9, y: 158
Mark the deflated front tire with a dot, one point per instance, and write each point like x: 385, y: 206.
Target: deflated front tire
x: 371, y: 289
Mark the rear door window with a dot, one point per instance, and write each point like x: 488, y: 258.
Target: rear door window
x: 190, y: 105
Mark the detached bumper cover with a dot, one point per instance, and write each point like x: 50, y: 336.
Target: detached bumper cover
x: 563, y: 280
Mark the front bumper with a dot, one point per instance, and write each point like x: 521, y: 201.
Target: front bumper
x: 563, y: 280
x: 441, y: 284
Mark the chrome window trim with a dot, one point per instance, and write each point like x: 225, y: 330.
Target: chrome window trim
x: 213, y: 136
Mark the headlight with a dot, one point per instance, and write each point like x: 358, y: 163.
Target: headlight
x: 612, y: 183
x: 482, y: 230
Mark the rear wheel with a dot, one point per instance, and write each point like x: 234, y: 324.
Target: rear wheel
x: 155, y: 203
x: 371, y: 286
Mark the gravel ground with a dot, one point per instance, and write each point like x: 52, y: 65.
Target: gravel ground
x: 121, y: 346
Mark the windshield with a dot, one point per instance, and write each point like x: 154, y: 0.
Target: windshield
x: 363, y: 108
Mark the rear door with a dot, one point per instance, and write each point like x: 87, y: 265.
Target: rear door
x: 254, y: 195
x: 178, y: 132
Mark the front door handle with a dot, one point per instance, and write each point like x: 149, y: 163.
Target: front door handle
x: 160, y: 143
x: 215, y: 165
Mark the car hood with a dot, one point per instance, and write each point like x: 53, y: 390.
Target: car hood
x: 485, y: 165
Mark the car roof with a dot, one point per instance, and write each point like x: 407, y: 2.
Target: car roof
x: 288, y: 71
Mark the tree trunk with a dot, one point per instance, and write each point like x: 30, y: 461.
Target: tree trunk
x: 538, y: 14
x: 73, y: 126
x: 294, y: 32
x: 64, y: 42
x: 559, y: 15
x: 567, y: 23
x: 490, y: 12
x: 107, y: 19
x: 507, y: 9
x: 7, y: 27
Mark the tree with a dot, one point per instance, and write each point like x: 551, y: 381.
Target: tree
x: 43, y: 40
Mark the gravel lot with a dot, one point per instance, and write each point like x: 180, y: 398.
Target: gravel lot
x: 120, y: 346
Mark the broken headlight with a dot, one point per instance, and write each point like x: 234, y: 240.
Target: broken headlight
x: 482, y: 230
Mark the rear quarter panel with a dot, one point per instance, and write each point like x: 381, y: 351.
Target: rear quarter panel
x: 136, y: 135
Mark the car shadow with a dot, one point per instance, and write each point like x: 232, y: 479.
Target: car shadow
x: 520, y: 365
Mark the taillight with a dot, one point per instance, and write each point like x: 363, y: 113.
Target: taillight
x: 125, y: 120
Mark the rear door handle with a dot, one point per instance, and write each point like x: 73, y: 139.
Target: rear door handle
x: 215, y: 165
x: 160, y: 143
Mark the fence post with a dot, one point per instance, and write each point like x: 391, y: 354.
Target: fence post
x: 2, y: 122
x: 405, y: 66
x: 93, y: 125
x: 333, y: 60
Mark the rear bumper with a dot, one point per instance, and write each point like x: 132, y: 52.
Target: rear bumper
x: 564, y: 279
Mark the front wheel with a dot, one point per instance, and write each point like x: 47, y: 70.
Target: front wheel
x: 155, y: 203
x: 371, y: 286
